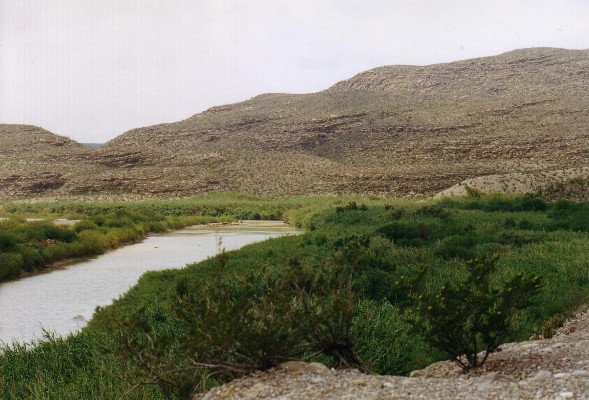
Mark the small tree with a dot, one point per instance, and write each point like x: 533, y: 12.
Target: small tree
x: 472, y: 316
x: 326, y: 307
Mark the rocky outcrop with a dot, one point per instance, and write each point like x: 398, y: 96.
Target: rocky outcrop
x: 539, y: 182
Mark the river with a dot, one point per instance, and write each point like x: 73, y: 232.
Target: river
x: 63, y: 300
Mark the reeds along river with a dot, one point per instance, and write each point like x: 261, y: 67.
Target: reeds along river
x: 63, y: 300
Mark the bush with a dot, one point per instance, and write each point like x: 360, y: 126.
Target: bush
x: 352, y: 206
x: 10, y: 265
x: 48, y: 231
x: 85, y: 224
x: 388, y: 343
x: 118, y: 236
x: 95, y: 242
x: 457, y: 246
x: 403, y: 234
x: 550, y: 326
x: 472, y: 316
x: 8, y: 241
x: 31, y: 258
x: 239, y: 324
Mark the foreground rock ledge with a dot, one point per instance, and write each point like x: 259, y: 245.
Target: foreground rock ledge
x: 556, y: 368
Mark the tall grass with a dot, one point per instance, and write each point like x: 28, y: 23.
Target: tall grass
x: 379, y: 241
x: 79, y: 366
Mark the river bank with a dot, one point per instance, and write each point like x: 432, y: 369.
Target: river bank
x: 242, y: 226
x: 63, y: 300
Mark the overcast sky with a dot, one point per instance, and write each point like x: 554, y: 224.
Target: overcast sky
x: 91, y: 70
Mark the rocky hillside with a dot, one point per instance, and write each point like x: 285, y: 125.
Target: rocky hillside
x: 394, y: 130
x: 34, y: 161
x: 527, y: 72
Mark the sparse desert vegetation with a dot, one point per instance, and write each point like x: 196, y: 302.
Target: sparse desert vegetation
x: 515, y: 118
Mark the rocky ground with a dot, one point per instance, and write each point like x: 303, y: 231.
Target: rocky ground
x: 556, y: 368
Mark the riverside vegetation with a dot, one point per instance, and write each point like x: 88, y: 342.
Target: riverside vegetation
x: 32, y: 246
x: 351, y: 291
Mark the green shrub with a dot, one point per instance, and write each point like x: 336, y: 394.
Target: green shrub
x: 402, y: 234
x: 10, y: 265
x: 551, y: 325
x: 85, y: 224
x: 48, y: 231
x: 31, y: 258
x: 55, y: 252
x: 238, y: 324
x: 457, y: 246
x: 386, y: 342
x: 117, y: 236
x: 94, y: 241
x: 8, y: 241
x: 351, y: 206
x: 472, y: 316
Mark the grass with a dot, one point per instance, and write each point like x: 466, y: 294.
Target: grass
x: 379, y: 241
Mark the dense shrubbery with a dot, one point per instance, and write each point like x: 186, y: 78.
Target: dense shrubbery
x: 343, y: 275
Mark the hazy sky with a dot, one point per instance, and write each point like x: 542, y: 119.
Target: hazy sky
x: 91, y: 70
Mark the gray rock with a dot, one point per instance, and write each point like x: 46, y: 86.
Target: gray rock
x: 542, y: 375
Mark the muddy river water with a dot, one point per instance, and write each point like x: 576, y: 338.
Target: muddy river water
x: 63, y: 300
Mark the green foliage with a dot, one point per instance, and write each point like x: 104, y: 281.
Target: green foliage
x: 402, y: 234
x: 387, y: 342
x: 457, y: 246
x: 351, y: 206
x: 8, y: 241
x: 77, y: 367
x: 550, y: 326
x: 31, y: 258
x: 236, y: 325
x: 324, y: 311
x: 498, y: 203
x: 570, y: 216
x: 85, y: 224
x: 10, y: 265
x: 346, y: 263
x: 472, y: 315
x: 472, y: 192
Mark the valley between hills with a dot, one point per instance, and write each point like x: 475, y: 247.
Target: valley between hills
x: 514, y: 123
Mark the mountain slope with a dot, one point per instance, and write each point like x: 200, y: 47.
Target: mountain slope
x: 34, y: 161
x: 394, y: 130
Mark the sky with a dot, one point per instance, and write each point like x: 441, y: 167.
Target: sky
x: 91, y: 70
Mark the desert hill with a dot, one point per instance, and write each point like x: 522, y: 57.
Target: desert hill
x: 394, y: 130
x: 34, y: 161
x: 530, y: 72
